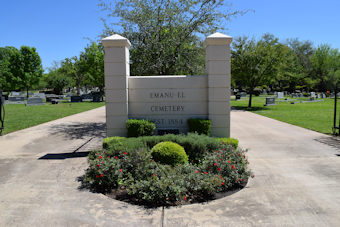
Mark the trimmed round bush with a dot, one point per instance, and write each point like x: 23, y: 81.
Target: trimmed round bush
x: 169, y: 153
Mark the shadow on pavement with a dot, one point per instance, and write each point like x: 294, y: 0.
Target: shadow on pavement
x: 80, y: 130
x: 330, y: 141
x: 62, y: 156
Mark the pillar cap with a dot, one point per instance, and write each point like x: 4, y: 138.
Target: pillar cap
x: 116, y: 41
x: 217, y: 39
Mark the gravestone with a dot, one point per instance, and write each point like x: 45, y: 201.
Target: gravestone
x: 16, y: 100
x: 270, y: 101
x: 34, y: 101
x: 294, y: 95
x: 332, y: 95
x: 97, y: 97
x: 40, y: 95
x: 237, y: 97
x: 76, y: 98
x: 87, y: 97
x: 49, y: 97
x: 243, y: 94
x: 312, y: 95
x: 323, y: 95
x: 15, y: 93
x: 311, y: 98
x: 319, y: 96
x: 168, y: 101
x: 301, y: 95
x: 280, y: 95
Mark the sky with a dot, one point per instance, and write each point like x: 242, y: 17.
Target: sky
x: 60, y: 29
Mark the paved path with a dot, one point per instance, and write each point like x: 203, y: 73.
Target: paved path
x: 297, y: 179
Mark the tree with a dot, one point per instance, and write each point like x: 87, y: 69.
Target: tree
x: 165, y: 33
x: 253, y: 63
x: 57, y: 79
x: 325, y: 61
x: 10, y: 68
x: 289, y: 70
x: 74, y: 68
x: 93, y: 58
x: 27, y: 66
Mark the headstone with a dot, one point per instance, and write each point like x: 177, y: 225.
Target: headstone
x: 40, y: 95
x: 270, y: 101
x: 76, y: 98
x: 97, y: 97
x: 237, y: 97
x: 312, y: 95
x: 280, y: 95
x: 243, y: 94
x: 16, y: 99
x: 87, y: 97
x: 49, y: 97
x: 319, y: 96
x: 15, y: 93
x: 294, y: 95
x: 34, y: 101
x: 301, y: 95
x: 332, y: 95
x: 323, y: 95
x: 311, y: 99
x: 69, y: 94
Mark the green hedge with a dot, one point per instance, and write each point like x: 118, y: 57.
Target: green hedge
x: 200, y: 126
x: 136, y: 128
x: 194, y: 145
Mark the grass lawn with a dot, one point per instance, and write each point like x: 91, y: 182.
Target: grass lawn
x: 317, y: 116
x: 19, y: 116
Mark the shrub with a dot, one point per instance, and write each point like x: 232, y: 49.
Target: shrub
x: 231, y: 141
x: 127, y: 168
x: 138, y: 128
x: 169, y: 153
x: 200, y: 126
x: 109, y: 140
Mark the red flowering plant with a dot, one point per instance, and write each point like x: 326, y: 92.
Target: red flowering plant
x: 228, y: 164
x: 128, y: 165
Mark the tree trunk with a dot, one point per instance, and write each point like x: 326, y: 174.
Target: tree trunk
x: 27, y: 93
x: 250, y: 96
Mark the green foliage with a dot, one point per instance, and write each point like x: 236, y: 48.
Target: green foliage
x: 111, y: 140
x: 151, y: 183
x: 138, y: 128
x: 200, y: 126
x: 165, y: 35
x: 57, y: 80
x: 19, y: 69
x: 230, y: 141
x: 254, y: 63
x: 169, y: 153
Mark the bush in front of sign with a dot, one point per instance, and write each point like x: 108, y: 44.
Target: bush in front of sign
x: 169, y: 153
x: 200, y: 126
x: 128, y: 170
x: 136, y: 128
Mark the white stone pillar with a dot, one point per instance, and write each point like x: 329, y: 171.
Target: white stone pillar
x: 117, y: 71
x: 218, y: 69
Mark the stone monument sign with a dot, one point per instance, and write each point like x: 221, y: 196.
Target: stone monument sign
x: 168, y: 101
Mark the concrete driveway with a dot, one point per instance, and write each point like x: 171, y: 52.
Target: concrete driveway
x: 297, y: 179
